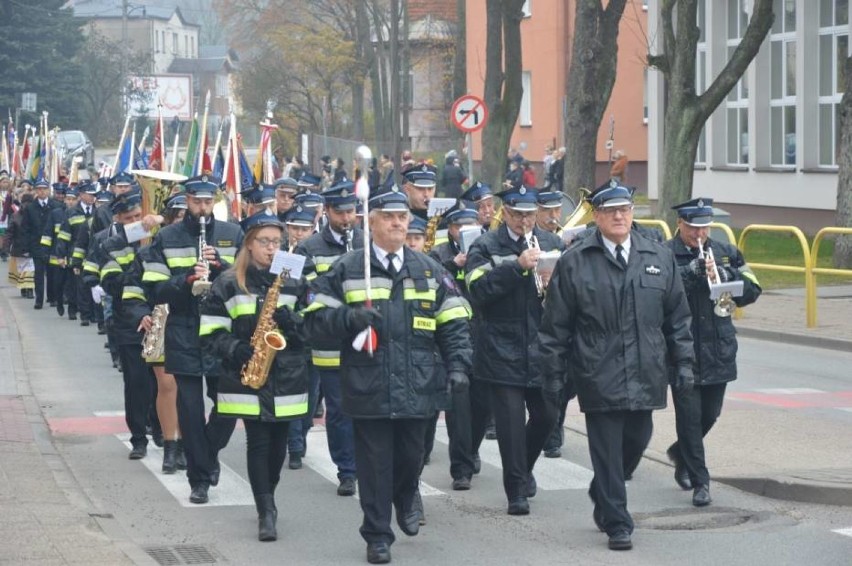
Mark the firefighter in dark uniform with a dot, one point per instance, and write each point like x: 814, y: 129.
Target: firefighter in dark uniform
x: 88, y: 194
x: 285, y: 194
x: 616, y: 315
x: 323, y: 250
x: 52, y: 237
x: 714, y: 336
x: 310, y: 199
x: 229, y: 318
x: 419, y: 182
x: 459, y: 426
x: 121, y: 279
x: 391, y: 393
x: 480, y: 194
x: 502, y: 285
x: 415, y: 237
x: 35, y: 216
x: 174, y: 264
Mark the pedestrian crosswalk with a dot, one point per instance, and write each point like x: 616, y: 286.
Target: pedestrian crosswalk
x: 233, y: 489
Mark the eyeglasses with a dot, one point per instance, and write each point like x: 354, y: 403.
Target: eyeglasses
x: 613, y: 210
x: 266, y: 242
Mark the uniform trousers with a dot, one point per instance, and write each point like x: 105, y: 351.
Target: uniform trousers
x: 137, y: 377
x: 266, y: 450
x: 520, y: 441
x: 460, y: 432
x: 40, y: 267
x: 65, y: 288
x: 695, y: 414
x: 50, y: 286
x: 556, y: 438
x: 297, y: 435
x: 202, y: 438
x: 85, y: 303
x: 617, y: 440
x: 338, y: 426
x: 479, y: 395
x: 388, y: 456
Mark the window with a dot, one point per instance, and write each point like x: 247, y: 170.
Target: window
x: 174, y: 43
x: 736, y: 104
x: 782, y: 84
x: 701, y: 76
x: 222, y: 88
x: 527, y: 8
x: 192, y: 44
x: 525, y: 115
x: 186, y: 46
x: 833, y: 49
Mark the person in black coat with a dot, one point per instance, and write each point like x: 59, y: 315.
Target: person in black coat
x: 616, y: 316
x: 36, y: 216
x: 500, y: 279
x: 714, y: 335
x: 452, y: 177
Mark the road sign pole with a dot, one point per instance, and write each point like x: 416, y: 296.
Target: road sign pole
x: 469, y: 142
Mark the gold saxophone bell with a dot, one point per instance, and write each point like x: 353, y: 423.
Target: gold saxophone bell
x: 266, y: 341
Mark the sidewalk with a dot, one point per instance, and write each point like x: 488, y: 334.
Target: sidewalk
x: 45, y: 517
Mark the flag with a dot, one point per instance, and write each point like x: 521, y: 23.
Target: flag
x: 35, y: 166
x: 219, y: 164
x: 141, y: 161
x: 125, y: 159
x: 247, y: 179
x: 156, y: 150
x: 191, y: 149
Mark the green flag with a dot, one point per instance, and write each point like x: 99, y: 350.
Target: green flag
x: 191, y: 150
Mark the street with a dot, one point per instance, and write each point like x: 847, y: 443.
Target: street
x: 783, y: 390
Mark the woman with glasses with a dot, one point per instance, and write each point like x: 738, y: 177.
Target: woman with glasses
x: 229, y: 317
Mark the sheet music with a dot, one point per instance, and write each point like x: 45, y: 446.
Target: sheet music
x: 285, y: 261
x: 467, y: 237
x: 439, y: 206
x: 135, y: 232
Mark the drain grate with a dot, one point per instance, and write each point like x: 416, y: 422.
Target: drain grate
x: 181, y: 554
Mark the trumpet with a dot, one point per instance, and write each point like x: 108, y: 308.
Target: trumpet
x: 724, y: 303
x: 532, y: 243
x: 201, y: 286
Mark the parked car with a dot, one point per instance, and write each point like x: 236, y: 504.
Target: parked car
x: 72, y: 143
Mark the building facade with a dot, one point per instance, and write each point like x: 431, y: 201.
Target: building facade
x: 769, y: 152
x: 547, y: 33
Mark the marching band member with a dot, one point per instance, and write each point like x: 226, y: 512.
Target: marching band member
x: 180, y: 256
x: 714, y: 336
x: 390, y: 394
x: 235, y: 308
x: 500, y: 278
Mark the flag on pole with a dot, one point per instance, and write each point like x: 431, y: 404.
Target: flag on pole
x: 191, y: 149
x: 125, y: 157
x: 35, y: 166
x: 219, y: 164
x: 156, y: 161
x: 247, y: 180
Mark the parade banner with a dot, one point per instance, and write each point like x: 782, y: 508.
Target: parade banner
x: 174, y: 92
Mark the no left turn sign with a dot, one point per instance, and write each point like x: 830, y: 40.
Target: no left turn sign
x: 469, y: 113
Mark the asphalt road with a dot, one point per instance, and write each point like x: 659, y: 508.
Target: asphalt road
x: 81, y: 398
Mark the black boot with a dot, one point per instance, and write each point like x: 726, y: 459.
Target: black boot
x: 267, y: 515
x: 169, y: 456
x: 180, y: 457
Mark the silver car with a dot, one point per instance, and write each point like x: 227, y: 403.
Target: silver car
x: 72, y: 143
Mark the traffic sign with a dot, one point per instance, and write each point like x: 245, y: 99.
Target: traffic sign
x: 469, y: 113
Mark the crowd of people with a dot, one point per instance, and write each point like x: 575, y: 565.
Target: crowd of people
x: 454, y: 312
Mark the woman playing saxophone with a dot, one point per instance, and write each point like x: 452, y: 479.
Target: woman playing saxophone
x: 230, y: 315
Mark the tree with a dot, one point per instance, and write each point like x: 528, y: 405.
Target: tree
x: 104, y: 65
x: 503, y: 88
x: 843, y: 244
x: 686, y: 111
x: 37, y: 44
x: 590, y: 81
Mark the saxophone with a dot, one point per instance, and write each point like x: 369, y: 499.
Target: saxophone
x: 153, y: 345
x: 267, y: 340
x: 431, y: 232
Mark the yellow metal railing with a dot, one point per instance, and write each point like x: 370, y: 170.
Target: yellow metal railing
x: 810, y: 291
x: 661, y: 224
x: 814, y: 271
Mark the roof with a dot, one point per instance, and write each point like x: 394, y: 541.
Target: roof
x: 202, y: 65
x: 439, y: 9
x: 112, y: 9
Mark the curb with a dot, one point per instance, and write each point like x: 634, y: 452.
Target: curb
x: 787, y: 488
x: 797, y: 339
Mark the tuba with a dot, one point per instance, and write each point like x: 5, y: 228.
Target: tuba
x: 154, y: 343
x: 267, y: 340
x: 201, y: 286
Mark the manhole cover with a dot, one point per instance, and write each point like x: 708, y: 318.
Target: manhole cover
x: 693, y: 519
x: 181, y: 554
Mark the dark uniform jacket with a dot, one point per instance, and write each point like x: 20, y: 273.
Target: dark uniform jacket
x: 121, y: 278
x: 72, y: 226
x: 611, y: 331
x: 50, y: 232
x: 421, y: 311
x: 229, y: 316
x: 102, y: 218
x: 322, y: 251
x: 35, y: 219
x: 507, y: 305
x: 715, y: 336
x: 167, y: 264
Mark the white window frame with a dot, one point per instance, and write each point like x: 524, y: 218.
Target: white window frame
x: 835, y: 31
x: 786, y: 100
x: 527, y: 8
x: 737, y: 99
x: 525, y: 113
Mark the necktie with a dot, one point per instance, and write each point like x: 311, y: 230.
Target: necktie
x: 391, y: 267
x: 87, y: 211
x: 619, y: 256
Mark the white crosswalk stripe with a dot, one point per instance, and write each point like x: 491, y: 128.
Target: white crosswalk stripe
x: 844, y: 532
x: 789, y: 391
x: 232, y: 488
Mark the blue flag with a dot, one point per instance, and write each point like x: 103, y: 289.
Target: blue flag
x: 125, y: 161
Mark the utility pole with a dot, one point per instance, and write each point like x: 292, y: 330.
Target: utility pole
x: 124, y: 10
